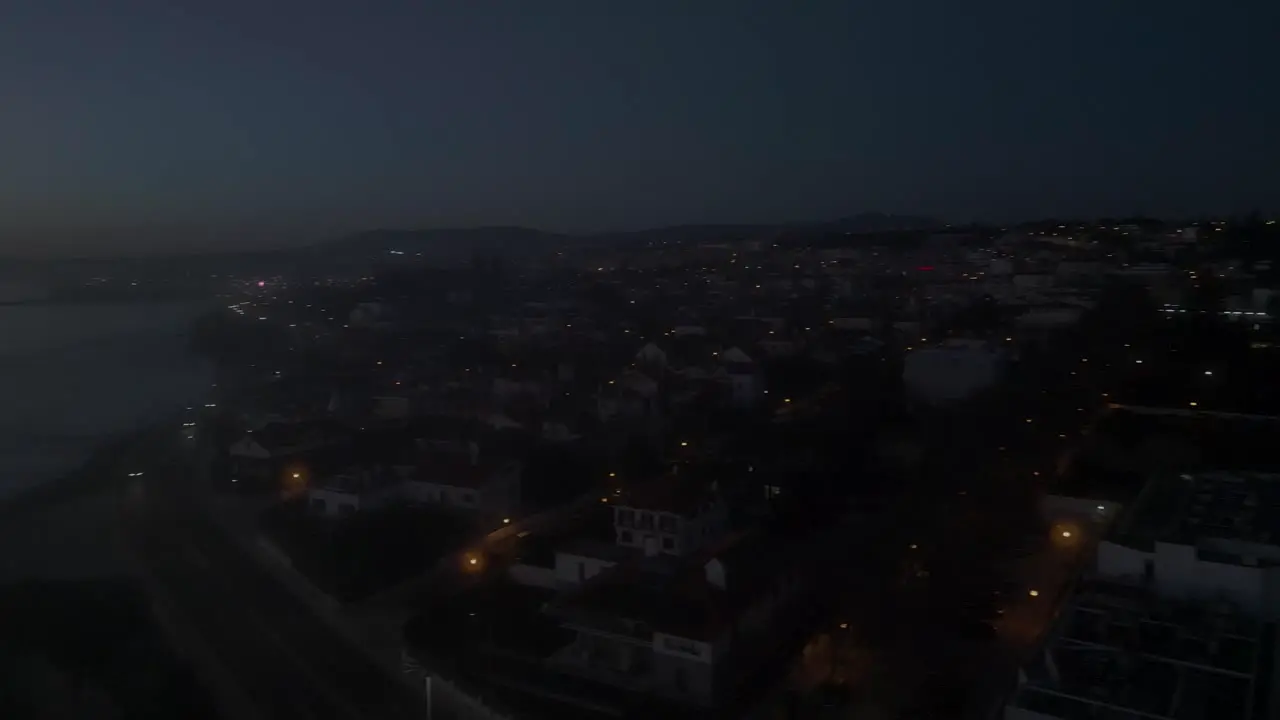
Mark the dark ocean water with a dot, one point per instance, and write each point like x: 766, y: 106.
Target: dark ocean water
x: 72, y: 376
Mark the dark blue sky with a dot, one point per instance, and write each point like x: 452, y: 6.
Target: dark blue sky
x: 289, y: 119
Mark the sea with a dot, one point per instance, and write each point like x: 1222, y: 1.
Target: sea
x: 73, y: 376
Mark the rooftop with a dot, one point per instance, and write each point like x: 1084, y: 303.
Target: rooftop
x: 674, y: 595
x: 1190, y: 508
x: 1121, y: 654
x: 455, y: 467
x: 670, y: 493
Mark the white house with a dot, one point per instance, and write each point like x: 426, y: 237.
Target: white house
x: 950, y: 372
x: 464, y: 479
x: 746, y: 380
x: 671, y: 515
x: 685, y: 629
x: 352, y: 491
x: 1220, y: 543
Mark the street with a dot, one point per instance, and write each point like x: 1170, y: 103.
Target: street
x: 287, y: 661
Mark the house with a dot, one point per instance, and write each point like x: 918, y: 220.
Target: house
x: 746, y: 381
x: 672, y: 515
x: 261, y: 456
x: 685, y: 629
x: 354, y: 490
x: 632, y: 396
x: 460, y: 477
x: 1202, y: 538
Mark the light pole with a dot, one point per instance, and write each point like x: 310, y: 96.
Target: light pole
x: 426, y: 686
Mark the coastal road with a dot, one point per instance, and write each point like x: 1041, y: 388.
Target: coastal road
x: 286, y: 661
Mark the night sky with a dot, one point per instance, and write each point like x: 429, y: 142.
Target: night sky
x: 139, y: 123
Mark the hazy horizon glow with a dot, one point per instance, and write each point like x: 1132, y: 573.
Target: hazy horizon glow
x: 160, y: 127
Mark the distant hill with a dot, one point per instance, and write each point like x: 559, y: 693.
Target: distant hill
x: 462, y: 243
x: 442, y: 244
x: 366, y: 251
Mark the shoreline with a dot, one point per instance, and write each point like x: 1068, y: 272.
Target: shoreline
x: 99, y: 470
x: 102, y: 463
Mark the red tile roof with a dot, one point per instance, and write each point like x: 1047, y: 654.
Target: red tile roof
x: 671, y: 493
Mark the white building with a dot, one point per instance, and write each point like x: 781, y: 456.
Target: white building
x: 746, y: 380
x: 1206, y: 537
x: 1178, y: 615
x: 1119, y: 654
x: 689, y: 629
x: 352, y: 491
x: 463, y: 479
x: 672, y: 515
x: 951, y: 371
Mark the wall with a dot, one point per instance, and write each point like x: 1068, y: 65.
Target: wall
x: 333, y: 501
x: 448, y: 495
x: 1060, y: 506
x: 1180, y: 572
x: 534, y: 576
x: 1120, y: 561
x: 1017, y: 713
x: 683, y: 669
x: 567, y: 564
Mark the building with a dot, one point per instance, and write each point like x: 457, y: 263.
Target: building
x: 950, y: 372
x: 462, y: 478
x: 1120, y: 652
x: 270, y: 457
x: 1177, y: 619
x: 684, y: 629
x: 672, y: 515
x: 1206, y: 537
x: 746, y: 381
x: 352, y: 491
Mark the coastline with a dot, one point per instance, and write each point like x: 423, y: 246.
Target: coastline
x: 104, y: 465
x: 105, y: 456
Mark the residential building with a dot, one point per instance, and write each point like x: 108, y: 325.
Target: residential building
x: 1203, y: 537
x: 951, y: 371
x: 351, y: 491
x: 688, y: 630
x: 461, y: 477
x: 269, y: 456
x: 1121, y: 652
x: 672, y: 515
x: 1177, y: 619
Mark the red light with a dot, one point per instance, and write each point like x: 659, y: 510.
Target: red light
x: 925, y: 268
x: 262, y: 283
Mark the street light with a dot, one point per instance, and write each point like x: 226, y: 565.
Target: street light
x: 1034, y: 593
